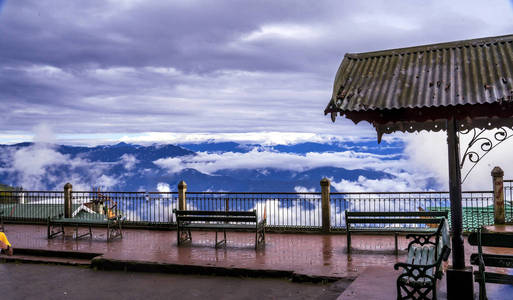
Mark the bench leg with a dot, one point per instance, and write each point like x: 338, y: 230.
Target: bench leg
x: 396, y: 250
x: 114, y: 230
x: 178, y: 235
x: 348, y: 234
x: 222, y: 242
x: 260, y: 237
x: 183, y: 235
x: 51, y: 233
x: 87, y: 233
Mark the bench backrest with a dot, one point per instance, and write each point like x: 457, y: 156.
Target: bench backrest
x: 491, y: 240
x: 215, y: 216
x: 402, y: 217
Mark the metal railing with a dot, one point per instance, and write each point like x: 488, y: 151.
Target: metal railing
x: 299, y: 211
x: 138, y: 208
x: 284, y: 211
x: 508, y: 200
x: 31, y: 206
x: 477, y: 205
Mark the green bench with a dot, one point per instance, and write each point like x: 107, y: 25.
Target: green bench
x: 484, y: 260
x: 56, y: 226
x: 423, y: 266
x: 364, y: 222
x: 218, y: 221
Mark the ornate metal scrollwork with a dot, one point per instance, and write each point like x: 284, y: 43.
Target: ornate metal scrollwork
x: 480, y: 145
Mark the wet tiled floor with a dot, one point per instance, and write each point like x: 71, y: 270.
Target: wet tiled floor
x: 309, y: 254
x: 305, y: 253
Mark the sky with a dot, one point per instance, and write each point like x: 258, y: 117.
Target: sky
x: 146, y: 71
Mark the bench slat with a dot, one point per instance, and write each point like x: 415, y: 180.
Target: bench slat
x: 79, y: 221
x: 417, y: 230
x: 215, y: 219
x: 398, y: 214
x: 493, y: 260
x: 492, y: 239
x: 393, y: 220
x: 495, y: 278
x: 213, y: 213
x: 219, y: 226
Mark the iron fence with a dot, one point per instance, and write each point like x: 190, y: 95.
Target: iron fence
x: 477, y: 205
x: 31, y: 206
x: 299, y: 211
x: 291, y: 211
x: 508, y: 200
x: 138, y: 208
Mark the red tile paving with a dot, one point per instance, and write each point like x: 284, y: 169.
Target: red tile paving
x: 311, y: 254
x: 305, y: 253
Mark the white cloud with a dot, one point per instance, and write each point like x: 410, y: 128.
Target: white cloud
x: 282, y: 31
x: 257, y: 159
x: 32, y: 162
x: 106, y: 181
x: 129, y: 161
x: 302, y: 189
x: 427, y: 154
x: 266, y: 138
x: 163, y: 187
x: 399, y: 184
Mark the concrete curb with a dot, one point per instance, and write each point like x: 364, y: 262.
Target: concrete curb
x: 101, y: 263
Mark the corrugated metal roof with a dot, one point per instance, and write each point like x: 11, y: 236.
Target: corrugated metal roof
x: 448, y: 74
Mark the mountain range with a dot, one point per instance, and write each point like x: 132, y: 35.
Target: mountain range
x: 129, y: 167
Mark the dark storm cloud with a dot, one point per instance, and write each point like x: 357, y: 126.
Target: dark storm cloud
x: 204, y: 66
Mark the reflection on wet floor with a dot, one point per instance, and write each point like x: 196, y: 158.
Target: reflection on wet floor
x: 304, y: 253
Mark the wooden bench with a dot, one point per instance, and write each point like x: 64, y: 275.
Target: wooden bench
x: 56, y: 226
x: 218, y: 221
x: 364, y: 219
x: 484, y: 260
x: 423, y: 265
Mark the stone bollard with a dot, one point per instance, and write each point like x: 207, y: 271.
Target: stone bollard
x: 67, y: 200
x: 182, y: 189
x: 325, y: 205
x: 498, y: 195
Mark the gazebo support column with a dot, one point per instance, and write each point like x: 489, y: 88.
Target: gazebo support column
x: 459, y: 278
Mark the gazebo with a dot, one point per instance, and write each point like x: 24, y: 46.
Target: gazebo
x: 457, y: 87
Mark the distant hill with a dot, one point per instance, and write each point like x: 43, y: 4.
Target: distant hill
x: 127, y: 167
x: 6, y: 188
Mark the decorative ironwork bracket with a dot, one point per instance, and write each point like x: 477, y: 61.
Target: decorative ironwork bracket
x: 480, y: 145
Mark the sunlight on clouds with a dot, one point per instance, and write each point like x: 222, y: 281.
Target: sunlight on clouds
x: 282, y: 31
x: 262, y: 138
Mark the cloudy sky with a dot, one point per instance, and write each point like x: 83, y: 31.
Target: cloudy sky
x: 144, y: 71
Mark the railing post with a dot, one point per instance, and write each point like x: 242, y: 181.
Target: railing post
x: 67, y: 200
x: 325, y: 204
x: 182, y: 189
x: 498, y: 195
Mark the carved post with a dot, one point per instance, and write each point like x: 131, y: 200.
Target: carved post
x: 182, y: 189
x: 325, y: 204
x: 498, y: 195
x: 67, y: 200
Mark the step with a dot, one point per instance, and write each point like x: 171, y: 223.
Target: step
x: 45, y: 260
x: 61, y: 257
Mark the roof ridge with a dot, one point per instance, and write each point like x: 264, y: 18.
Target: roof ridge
x: 432, y: 47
